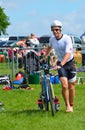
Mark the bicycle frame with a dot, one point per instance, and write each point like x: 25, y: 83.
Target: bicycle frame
x: 47, y: 93
x: 47, y: 77
x: 46, y: 88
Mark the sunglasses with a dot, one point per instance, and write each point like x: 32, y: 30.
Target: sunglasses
x: 55, y: 30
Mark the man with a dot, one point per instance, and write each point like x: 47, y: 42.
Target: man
x: 65, y: 64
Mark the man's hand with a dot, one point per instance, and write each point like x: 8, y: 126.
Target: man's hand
x: 56, y: 67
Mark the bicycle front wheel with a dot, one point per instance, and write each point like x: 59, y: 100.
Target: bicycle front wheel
x: 51, y: 97
x: 44, y: 96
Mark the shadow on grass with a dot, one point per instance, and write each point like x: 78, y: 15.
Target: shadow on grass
x: 28, y: 112
x: 32, y: 112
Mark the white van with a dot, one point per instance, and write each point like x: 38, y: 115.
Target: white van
x: 4, y: 39
x: 77, y: 44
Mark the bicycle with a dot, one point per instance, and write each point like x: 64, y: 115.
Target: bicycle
x: 47, y: 95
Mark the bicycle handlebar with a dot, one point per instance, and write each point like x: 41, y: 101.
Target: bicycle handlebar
x: 46, y: 68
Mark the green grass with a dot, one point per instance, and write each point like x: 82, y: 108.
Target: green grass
x: 22, y: 113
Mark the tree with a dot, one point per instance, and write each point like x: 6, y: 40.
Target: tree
x: 4, y: 21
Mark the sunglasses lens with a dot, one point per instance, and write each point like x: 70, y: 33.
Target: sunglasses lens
x: 55, y: 30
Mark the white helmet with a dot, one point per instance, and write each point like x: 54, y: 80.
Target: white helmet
x: 56, y: 23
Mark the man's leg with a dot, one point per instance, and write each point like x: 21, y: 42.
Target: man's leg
x: 65, y: 93
x: 71, y: 93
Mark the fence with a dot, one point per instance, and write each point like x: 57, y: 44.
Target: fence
x: 13, y: 60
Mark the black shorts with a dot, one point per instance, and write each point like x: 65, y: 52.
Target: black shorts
x: 68, y: 70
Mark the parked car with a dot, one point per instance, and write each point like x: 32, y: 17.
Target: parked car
x: 13, y: 39
x: 17, y: 38
x: 3, y: 39
x: 44, y: 40
x: 2, y: 43
x: 8, y: 43
x: 77, y: 44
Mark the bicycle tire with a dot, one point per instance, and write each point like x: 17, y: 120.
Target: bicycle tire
x: 44, y: 96
x: 46, y: 105
x: 51, y: 97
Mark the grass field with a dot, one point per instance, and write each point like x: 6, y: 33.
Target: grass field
x: 22, y: 113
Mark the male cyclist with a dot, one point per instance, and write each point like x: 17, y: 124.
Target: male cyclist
x: 65, y: 64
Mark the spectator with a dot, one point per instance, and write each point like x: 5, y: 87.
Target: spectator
x: 21, y: 43
x: 34, y: 41
x: 83, y: 37
x: 20, y: 59
x: 28, y: 43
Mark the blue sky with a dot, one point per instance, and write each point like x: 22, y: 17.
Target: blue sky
x: 35, y: 16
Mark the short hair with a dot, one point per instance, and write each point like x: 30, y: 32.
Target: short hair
x: 32, y: 34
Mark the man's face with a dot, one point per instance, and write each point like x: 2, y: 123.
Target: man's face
x: 56, y: 31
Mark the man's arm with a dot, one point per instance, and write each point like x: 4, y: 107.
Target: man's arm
x: 66, y: 57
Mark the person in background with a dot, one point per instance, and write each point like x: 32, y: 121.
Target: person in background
x: 21, y: 43
x: 34, y: 42
x: 83, y: 38
x: 65, y: 66
x: 20, y: 59
x: 27, y: 42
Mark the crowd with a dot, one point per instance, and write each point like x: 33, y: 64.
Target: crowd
x: 31, y: 43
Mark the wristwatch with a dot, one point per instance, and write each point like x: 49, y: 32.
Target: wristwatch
x: 60, y: 65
